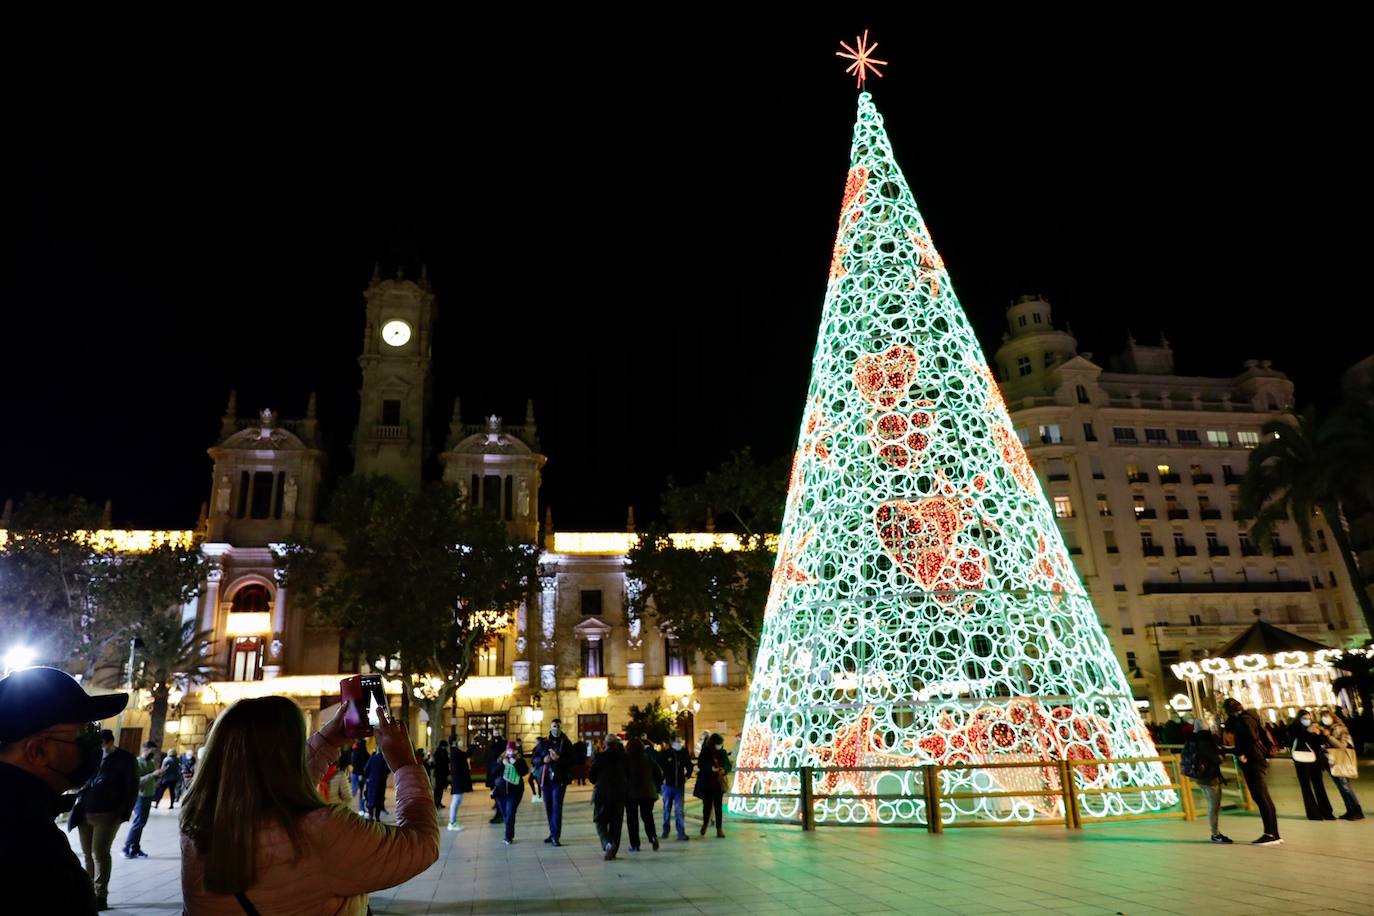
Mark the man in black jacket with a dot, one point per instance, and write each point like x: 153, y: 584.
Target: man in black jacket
x: 611, y: 778
x: 494, y: 752
x: 676, y: 762
x: 553, y: 762
x: 48, y: 745
x: 438, y: 771
x: 104, y: 803
x: 1250, y: 747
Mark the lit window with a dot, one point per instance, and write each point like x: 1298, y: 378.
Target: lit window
x: 1103, y: 507
x: 1138, y: 504
x: 1247, y: 439
x: 1050, y: 433
x: 1023, y: 365
x: 1163, y: 470
x: 1063, y: 507
x: 1218, y: 438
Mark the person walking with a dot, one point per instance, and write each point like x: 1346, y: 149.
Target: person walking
x: 610, y: 787
x: 1309, y: 760
x: 1252, y: 748
x: 148, y: 775
x: 357, y: 764
x: 50, y: 742
x: 257, y: 838
x: 374, y: 784
x: 510, y: 786
x: 459, y: 784
x: 676, y: 762
x: 1202, y: 750
x: 438, y: 773
x: 168, y: 781
x: 554, y: 758
x: 712, y: 766
x: 495, y: 751
x: 102, y: 805
x: 1342, y: 761
x: 643, y: 776
x: 582, y: 761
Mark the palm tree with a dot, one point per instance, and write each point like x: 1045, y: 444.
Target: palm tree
x: 1305, y: 467
x: 173, y: 655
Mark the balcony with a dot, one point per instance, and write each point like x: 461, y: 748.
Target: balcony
x: 1233, y: 480
x: 1151, y: 550
x: 1169, y: 478
x: 1201, y: 479
x: 1185, y: 550
x: 1140, y: 477
x: 1057, y: 478
x: 1218, y: 550
x: 1222, y: 588
x: 1176, y: 514
x: 1146, y: 513
x: 1250, y: 550
x: 1209, y: 514
x: 389, y: 433
x: 1282, y: 550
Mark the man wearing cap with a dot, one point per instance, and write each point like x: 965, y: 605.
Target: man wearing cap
x: 49, y: 744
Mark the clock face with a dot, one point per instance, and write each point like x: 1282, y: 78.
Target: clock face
x: 396, y: 332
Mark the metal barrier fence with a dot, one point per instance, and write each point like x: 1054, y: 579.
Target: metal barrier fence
x: 932, y: 794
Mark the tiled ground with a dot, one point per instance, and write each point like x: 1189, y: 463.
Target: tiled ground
x: 1133, y: 868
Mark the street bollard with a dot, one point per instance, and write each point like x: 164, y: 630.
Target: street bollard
x: 808, y: 807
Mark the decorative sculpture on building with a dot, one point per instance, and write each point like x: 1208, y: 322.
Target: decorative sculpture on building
x: 222, y: 494
x: 290, y: 491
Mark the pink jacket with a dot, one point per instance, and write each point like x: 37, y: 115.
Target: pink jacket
x: 345, y: 857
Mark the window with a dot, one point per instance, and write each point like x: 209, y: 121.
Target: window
x: 1194, y: 620
x: 1247, y: 439
x: 1088, y: 434
x: 491, y: 493
x: 1049, y: 433
x: 1331, y: 576
x: 1179, y: 540
x: 1123, y: 433
x: 592, y: 727
x: 1035, y: 316
x: 1164, y: 470
x: 1218, y: 438
x: 1049, y: 360
x: 1246, y: 548
x: 1023, y: 365
x: 262, y: 494
x: 1147, y: 542
x: 1104, y: 508
x: 591, y: 658
x: 591, y: 602
x: 1187, y: 437
x: 1021, y: 321
x: 1156, y: 435
x: 251, y: 599
x: 1203, y: 503
x: 1109, y: 541
x: 1213, y: 542
x: 1321, y: 541
x: 245, y: 660
x: 1023, y: 435
x: 1131, y: 662
x: 674, y: 661
x: 1082, y: 394
x: 489, y: 659
x: 1138, y: 504
x: 391, y: 413
x: 1063, y: 507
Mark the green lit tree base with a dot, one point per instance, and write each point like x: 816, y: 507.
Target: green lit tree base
x: 923, y: 608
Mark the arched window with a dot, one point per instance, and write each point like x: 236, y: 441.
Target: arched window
x: 252, y: 599
x: 1082, y: 394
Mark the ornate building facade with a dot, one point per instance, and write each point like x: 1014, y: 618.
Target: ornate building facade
x: 1143, y: 468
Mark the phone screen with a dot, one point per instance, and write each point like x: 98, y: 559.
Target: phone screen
x: 373, y: 696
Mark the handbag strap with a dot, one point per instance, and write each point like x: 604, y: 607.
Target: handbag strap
x: 247, y: 904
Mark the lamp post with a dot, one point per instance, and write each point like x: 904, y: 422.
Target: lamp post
x: 135, y: 643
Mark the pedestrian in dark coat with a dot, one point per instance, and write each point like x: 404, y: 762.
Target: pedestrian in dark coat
x: 676, y: 763
x: 712, y: 765
x: 459, y: 783
x: 494, y: 752
x: 1207, y: 754
x: 357, y: 758
x: 438, y: 773
x: 509, y: 785
x: 643, y: 777
x: 1306, y: 740
x: 553, y: 759
x: 1249, y: 741
x: 375, y: 774
x: 609, y: 775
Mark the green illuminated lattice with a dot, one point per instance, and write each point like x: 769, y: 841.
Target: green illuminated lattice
x: 923, y: 607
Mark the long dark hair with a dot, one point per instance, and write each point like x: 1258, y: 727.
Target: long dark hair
x: 254, y: 769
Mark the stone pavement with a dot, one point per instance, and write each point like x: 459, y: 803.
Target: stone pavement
x: 1135, y: 868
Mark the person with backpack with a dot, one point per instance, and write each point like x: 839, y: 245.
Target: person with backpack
x: 1201, y: 762
x: 1252, y: 747
x: 1309, y: 760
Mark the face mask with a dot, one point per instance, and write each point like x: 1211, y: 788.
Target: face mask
x: 1305, y: 720
x: 91, y: 751
x: 1326, y: 720
x: 554, y: 731
x: 677, y: 745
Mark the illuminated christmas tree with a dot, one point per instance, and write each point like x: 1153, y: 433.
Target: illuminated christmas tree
x: 923, y: 607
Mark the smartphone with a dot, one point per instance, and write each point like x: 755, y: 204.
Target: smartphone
x: 363, y: 694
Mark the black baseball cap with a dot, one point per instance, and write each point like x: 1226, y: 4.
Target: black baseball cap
x: 32, y: 699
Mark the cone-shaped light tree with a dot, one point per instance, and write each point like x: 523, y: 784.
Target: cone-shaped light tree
x: 923, y: 607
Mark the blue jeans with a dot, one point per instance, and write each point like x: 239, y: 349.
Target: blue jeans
x: 135, y: 834
x: 357, y: 780
x: 1352, y: 804
x: 508, y: 804
x: 672, y: 804
x: 553, y: 807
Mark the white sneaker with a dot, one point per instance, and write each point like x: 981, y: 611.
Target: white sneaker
x: 455, y: 827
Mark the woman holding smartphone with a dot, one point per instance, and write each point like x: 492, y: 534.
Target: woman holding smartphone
x: 258, y: 839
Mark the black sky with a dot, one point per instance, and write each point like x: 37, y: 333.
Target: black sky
x: 631, y: 223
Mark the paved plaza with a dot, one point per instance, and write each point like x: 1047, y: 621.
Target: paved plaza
x: 1135, y: 868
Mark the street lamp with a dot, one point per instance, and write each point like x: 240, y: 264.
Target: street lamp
x: 19, y: 657
x: 684, y: 704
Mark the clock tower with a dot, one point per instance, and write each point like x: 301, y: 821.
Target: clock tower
x: 390, y: 439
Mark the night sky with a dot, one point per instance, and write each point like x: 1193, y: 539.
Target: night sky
x: 631, y: 223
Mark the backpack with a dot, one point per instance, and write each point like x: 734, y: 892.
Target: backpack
x: 1187, y: 764
x: 1264, y: 742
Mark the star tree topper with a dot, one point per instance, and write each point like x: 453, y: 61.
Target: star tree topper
x: 863, y: 59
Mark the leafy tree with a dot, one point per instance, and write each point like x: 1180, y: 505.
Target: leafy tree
x: 712, y: 601
x: 652, y: 723
x: 418, y: 583
x: 1305, y: 466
